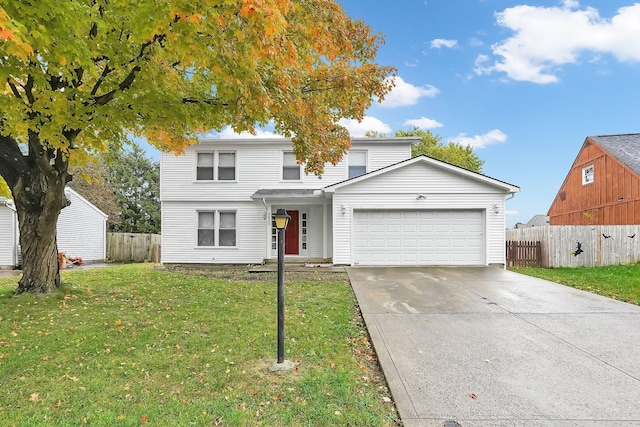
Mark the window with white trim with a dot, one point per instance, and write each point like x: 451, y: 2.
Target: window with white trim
x: 216, y: 166
x: 588, y: 175
x: 216, y: 228
x: 357, y: 163
x: 290, y: 167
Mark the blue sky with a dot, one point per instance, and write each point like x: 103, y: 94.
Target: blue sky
x: 523, y: 82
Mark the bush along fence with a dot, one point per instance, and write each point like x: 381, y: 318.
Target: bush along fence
x: 133, y: 247
x: 582, y: 245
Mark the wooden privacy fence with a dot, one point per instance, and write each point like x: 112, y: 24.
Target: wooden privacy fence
x: 524, y: 254
x: 582, y: 245
x: 133, y: 247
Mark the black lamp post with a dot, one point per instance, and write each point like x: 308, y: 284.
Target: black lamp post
x: 281, y: 219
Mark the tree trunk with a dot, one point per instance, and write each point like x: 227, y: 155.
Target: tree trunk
x: 38, y: 213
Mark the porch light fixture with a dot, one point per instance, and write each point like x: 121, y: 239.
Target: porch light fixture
x: 421, y: 197
x: 343, y: 210
x: 496, y: 209
x: 281, y: 219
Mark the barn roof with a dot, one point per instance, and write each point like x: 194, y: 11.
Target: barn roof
x: 625, y: 148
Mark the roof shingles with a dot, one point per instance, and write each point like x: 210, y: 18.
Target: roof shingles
x: 625, y: 148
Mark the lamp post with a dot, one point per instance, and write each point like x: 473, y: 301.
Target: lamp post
x: 281, y: 219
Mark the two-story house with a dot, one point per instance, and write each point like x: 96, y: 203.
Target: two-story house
x: 377, y: 206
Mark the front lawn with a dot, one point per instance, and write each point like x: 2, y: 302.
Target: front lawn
x: 132, y: 345
x: 621, y: 282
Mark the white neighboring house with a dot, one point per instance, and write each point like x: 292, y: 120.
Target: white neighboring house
x: 377, y: 206
x: 81, y: 231
x: 8, y: 234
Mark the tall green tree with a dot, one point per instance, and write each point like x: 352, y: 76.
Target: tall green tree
x: 431, y: 145
x: 81, y: 75
x: 135, y: 179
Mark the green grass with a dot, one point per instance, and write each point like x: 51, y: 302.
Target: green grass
x: 132, y: 345
x: 621, y: 282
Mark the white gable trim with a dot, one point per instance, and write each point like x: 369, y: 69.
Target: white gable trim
x: 88, y: 203
x: 508, y: 188
x: 8, y: 203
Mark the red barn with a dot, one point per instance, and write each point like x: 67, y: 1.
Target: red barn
x: 603, y: 185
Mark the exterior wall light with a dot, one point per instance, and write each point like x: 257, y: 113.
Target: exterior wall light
x: 343, y: 210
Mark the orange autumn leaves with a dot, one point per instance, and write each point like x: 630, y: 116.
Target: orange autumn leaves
x: 174, y: 70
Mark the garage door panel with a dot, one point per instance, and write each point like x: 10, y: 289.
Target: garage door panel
x: 412, y: 237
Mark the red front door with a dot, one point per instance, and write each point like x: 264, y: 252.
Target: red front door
x: 291, y: 235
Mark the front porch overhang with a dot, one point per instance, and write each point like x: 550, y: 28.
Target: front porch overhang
x: 294, y: 194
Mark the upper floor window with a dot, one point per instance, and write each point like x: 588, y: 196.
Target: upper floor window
x: 357, y: 163
x: 218, y: 165
x: 290, y: 167
x: 216, y: 228
x: 587, y: 175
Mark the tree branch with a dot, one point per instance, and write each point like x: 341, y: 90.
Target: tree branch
x: 125, y: 84
x: 14, y: 89
x: 105, y: 73
x: 12, y: 161
x: 28, y: 89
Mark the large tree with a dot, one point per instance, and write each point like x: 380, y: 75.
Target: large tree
x: 80, y: 75
x: 431, y: 145
x: 135, y: 179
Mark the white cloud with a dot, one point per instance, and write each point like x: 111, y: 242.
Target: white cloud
x: 424, y: 123
x: 545, y: 38
x: 228, y: 133
x: 440, y: 43
x: 511, y: 213
x: 495, y: 136
x: 404, y: 93
x: 475, y: 42
x: 368, y: 123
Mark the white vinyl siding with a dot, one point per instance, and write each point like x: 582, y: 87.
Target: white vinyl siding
x: 82, y: 229
x: 8, y: 236
x: 259, y: 165
x: 180, y: 233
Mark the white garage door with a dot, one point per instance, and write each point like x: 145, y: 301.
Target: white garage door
x: 418, y: 237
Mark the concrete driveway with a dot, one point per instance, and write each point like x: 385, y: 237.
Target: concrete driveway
x: 488, y: 347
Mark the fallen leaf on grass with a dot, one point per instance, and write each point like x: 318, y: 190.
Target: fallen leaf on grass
x: 144, y: 419
x: 34, y: 397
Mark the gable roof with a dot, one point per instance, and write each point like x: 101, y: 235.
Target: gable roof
x: 625, y: 148
x: 508, y: 188
x: 69, y: 190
